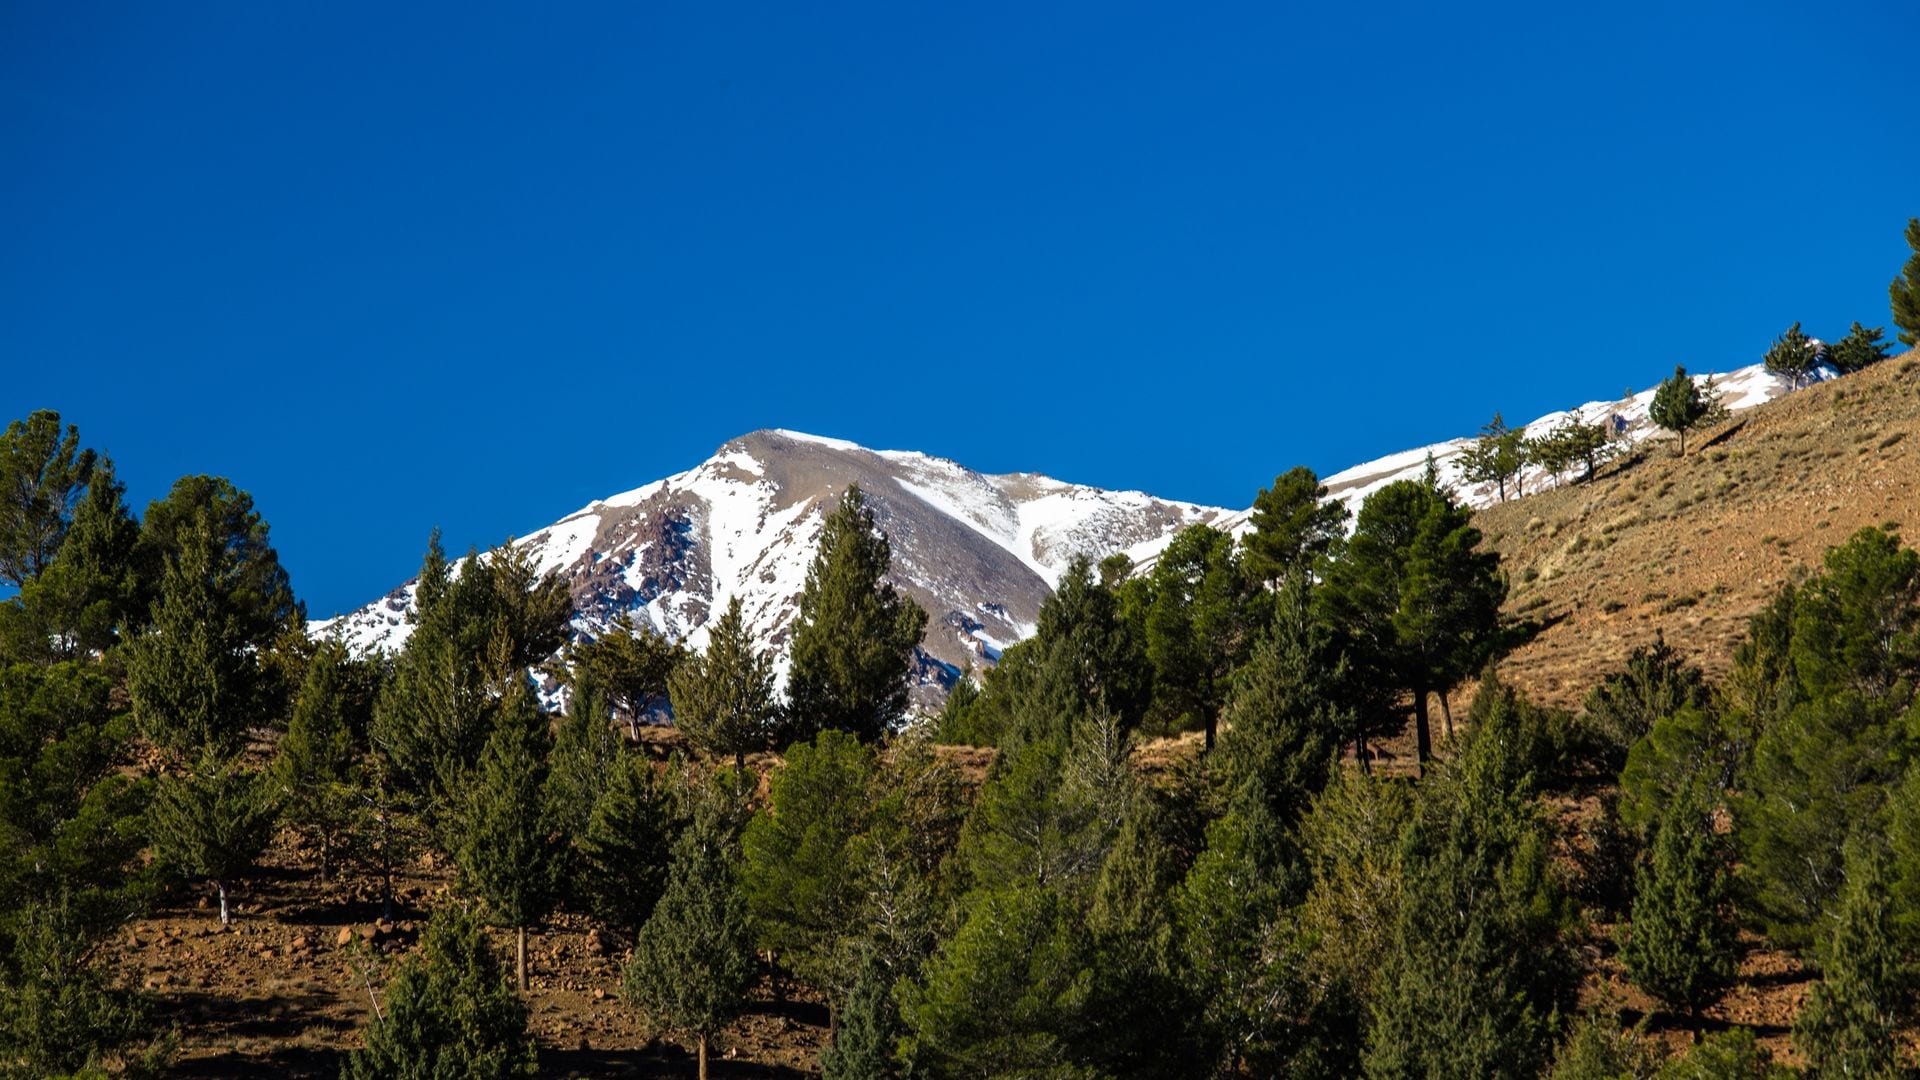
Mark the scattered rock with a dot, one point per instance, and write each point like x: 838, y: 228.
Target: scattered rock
x: 596, y: 944
x: 599, y: 994
x: 368, y: 933
x: 299, y: 943
x: 345, y: 937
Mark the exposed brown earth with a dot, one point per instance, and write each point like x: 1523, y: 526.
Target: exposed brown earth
x: 1692, y: 547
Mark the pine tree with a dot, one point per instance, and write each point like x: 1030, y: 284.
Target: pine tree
x: 450, y: 1012
x: 723, y: 700
x: 507, y: 854
x: 693, y: 961
x: 1905, y: 290
x: 1792, y: 356
x: 43, y: 474
x: 1597, y: 1049
x: 1497, y: 456
x: 194, y: 675
x: 253, y: 590
x: 1199, y: 625
x: 1677, y: 406
x: 854, y: 638
x: 1850, y: 1023
x: 1860, y: 349
x: 586, y: 756
x: 1654, y: 685
x: 213, y: 822
x: 863, y: 1040
x: 1680, y: 946
x: 1412, y: 600
x: 1294, y: 523
x: 1284, y: 722
x: 316, y: 770
x: 800, y: 873
x: 630, y: 664
x: 78, y: 604
x: 1733, y: 1054
x: 59, y: 1013
x: 627, y: 846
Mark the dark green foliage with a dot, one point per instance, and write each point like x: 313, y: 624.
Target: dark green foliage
x: 1905, y: 290
x: 1597, y: 1049
x: 693, y: 961
x: 1477, y: 974
x: 1284, y: 721
x: 1681, y: 947
x: 1294, y: 523
x: 195, y: 675
x: 869, y: 1026
x: 43, y: 474
x: 630, y: 665
x: 1412, y: 601
x: 1693, y: 742
x: 475, y: 634
x: 214, y: 822
x: 802, y: 875
x: 1088, y: 650
x: 1678, y: 406
x: 1496, y: 457
x: 1825, y: 764
x: 1005, y: 994
x: 625, y: 850
x: 317, y: 770
x: 1733, y: 1054
x: 58, y: 1014
x: 75, y: 607
x: 959, y: 723
x: 451, y: 1013
x: 586, y: 756
x: 854, y: 637
x: 1200, y: 623
x: 507, y: 853
x: 1572, y: 442
x: 723, y: 698
x: 1542, y: 747
x: 1792, y: 356
x: 253, y: 589
x: 1860, y: 349
x: 1350, y: 842
x: 1849, y: 1023
x: 1623, y: 709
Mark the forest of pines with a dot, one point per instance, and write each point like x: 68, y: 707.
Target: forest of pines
x: 1284, y: 899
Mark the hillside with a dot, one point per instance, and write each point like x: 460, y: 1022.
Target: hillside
x: 1692, y: 547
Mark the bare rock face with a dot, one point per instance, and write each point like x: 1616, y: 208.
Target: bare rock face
x: 979, y: 553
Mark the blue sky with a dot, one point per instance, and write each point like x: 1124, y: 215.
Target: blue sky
x: 397, y: 266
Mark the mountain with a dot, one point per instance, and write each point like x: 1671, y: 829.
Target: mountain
x: 978, y: 552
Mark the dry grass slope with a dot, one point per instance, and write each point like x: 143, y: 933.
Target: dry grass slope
x: 1693, y: 546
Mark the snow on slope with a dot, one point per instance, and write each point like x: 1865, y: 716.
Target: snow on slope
x: 979, y: 552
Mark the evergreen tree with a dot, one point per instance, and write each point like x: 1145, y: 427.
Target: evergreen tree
x: 1677, y: 406
x: 1294, y: 523
x: 1849, y: 1026
x: 863, y: 1040
x: 630, y: 664
x: 317, y: 769
x: 586, y: 757
x: 1284, y: 723
x: 214, y: 822
x: 693, y: 961
x: 854, y: 638
x: 1496, y: 457
x: 1680, y: 947
x: 1860, y: 349
x: 1654, y: 685
x: 450, y: 1012
x: 723, y: 698
x: 625, y: 851
x: 1792, y: 356
x: 43, y: 475
x: 1597, y: 1049
x: 59, y: 1015
x: 1477, y: 972
x: 1905, y: 290
x: 195, y: 675
x: 1412, y: 600
x: 253, y: 591
x: 506, y: 853
x: 77, y: 605
x: 1733, y: 1054
x: 801, y: 874
x: 1199, y: 625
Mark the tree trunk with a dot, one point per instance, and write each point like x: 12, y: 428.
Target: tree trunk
x: 1212, y: 723
x: 703, y: 1056
x: 1422, y: 733
x: 1360, y: 754
x: 740, y: 760
x: 520, y: 955
x: 1446, y: 710
x: 225, y: 918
